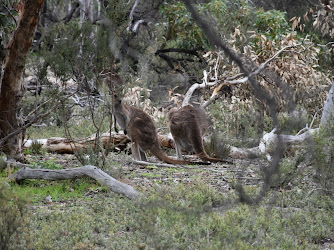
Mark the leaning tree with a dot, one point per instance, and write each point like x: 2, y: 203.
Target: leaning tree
x: 11, y: 86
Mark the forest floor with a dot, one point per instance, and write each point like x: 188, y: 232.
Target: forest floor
x: 220, y: 176
x: 101, y: 219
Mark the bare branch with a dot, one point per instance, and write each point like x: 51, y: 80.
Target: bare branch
x: 135, y: 27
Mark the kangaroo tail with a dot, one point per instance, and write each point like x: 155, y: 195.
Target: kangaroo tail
x: 198, y: 147
x: 156, y: 150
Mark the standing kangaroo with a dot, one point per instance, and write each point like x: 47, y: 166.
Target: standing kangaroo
x: 139, y: 127
x: 188, y: 125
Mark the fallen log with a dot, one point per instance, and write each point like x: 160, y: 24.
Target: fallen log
x: 116, y: 142
x: 72, y: 173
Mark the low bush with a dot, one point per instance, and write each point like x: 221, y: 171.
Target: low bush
x: 14, y: 220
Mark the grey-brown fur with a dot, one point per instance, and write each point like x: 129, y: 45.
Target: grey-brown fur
x: 140, y: 128
x: 188, y: 125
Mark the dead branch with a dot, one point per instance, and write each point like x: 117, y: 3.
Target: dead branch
x: 131, y: 16
x: 12, y: 164
x: 65, y: 174
x: 203, y: 84
x: 231, y: 80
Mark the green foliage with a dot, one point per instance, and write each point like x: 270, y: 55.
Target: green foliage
x: 287, y: 172
x: 13, y: 219
x: 72, y: 50
x: 322, y: 158
x: 225, y: 16
x: 239, y: 119
x: 273, y: 23
x: 182, y: 29
x: 38, y: 190
x: 217, y: 146
x: 178, y: 224
x: 36, y: 148
x: 48, y: 164
x: 177, y: 217
x: 104, y: 222
x: 7, y: 21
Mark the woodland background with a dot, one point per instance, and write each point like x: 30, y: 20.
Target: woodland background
x: 280, y: 197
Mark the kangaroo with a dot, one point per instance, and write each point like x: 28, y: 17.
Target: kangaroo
x: 188, y: 125
x: 140, y: 128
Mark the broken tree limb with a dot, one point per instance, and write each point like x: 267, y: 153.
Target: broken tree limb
x: 88, y: 170
x: 118, y: 142
x: 268, y: 141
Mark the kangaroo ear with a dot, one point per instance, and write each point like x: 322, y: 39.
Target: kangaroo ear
x: 117, y: 99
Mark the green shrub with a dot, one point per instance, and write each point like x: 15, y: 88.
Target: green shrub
x: 35, y: 149
x: 48, y: 164
x: 217, y: 147
x: 286, y: 173
x: 13, y: 220
x: 241, y: 120
x: 273, y: 23
x: 322, y: 158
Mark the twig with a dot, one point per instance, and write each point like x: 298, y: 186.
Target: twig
x: 32, y: 121
x: 313, y: 119
x: 307, y: 128
x: 131, y: 16
x: 9, y: 12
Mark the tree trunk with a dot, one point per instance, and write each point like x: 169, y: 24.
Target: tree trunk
x: 11, y: 89
x: 328, y: 110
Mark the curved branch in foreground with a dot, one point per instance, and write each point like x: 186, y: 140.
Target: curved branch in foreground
x: 88, y: 170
